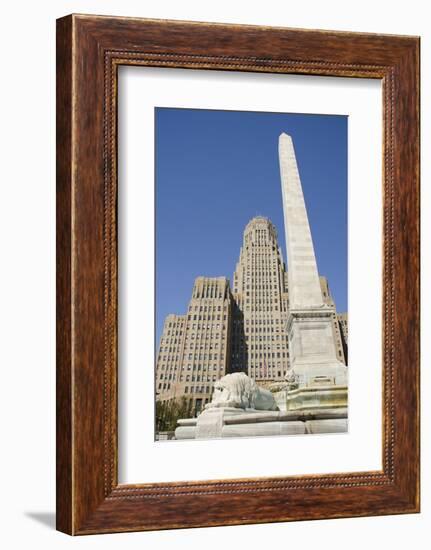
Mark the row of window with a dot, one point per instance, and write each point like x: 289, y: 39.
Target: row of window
x: 201, y: 367
x: 173, y: 324
x: 260, y: 256
x: 264, y: 308
x: 264, y: 322
x: 197, y: 389
x: 198, y: 378
x: 201, y: 356
x: 275, y: 291
x: 205, y: 356
x: 169, y: 358
x: 166, y: 366
x: 167, y: 349
x: 259, y: 307
x: 207, y: 337
x: 260, y: 355
x: 176, y: 333
x: 208, y: 326
x: 203, y: 343
x: 262, y: 288
x: 215, y: 367
x: 207, y: 331
x: 206, y: 317
x: 262, y: 275
x: 209, y: 292
x: 240, y: 333
x: 167, y: 377
x: 252, y: 343
x: 210, y: 307
x: 247, y: 277
x: 263, y: 330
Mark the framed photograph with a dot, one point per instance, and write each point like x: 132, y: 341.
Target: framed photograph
x: 237, y: 274
x: 235, y: 364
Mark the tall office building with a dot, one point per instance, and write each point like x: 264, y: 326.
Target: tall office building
x: 194, y: 348
x: 259, y: 336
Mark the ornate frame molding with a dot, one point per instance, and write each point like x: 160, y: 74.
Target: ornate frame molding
x: 90, y: 49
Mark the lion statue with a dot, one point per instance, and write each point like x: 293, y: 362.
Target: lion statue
x: 239, y: 391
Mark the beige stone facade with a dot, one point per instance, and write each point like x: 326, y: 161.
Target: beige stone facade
x: 170, y: 356
x: 259, y: 337
x: 194, y: 348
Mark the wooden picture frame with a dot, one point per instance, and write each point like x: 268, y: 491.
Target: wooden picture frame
x: 89, y: 51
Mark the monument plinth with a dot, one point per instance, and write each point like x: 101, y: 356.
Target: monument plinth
x: 311, y: 344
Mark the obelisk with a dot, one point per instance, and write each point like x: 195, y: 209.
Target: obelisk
x: 311, y: 340
x: 303, y: 277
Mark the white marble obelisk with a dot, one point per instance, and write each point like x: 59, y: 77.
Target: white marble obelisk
x: 304, y: 285
x: 311, y: 341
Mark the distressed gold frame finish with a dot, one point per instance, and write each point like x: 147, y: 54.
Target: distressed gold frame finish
x: 89, y: 51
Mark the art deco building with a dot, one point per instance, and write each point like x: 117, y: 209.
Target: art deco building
x: 195, y: 348
x: 244, y: 330
x: 259, y: 337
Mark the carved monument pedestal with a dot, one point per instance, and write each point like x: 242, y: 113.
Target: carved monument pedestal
x: 230, y: 415
x: 229, y: 422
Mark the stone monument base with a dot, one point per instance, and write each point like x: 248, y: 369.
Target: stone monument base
x: 215, y: 423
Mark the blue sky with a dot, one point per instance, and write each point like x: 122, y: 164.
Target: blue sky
x: 215, y: 170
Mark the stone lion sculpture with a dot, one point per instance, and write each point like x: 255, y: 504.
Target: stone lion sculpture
x: 240, y: 391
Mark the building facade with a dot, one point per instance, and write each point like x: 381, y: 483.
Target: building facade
x: 170, y: 356
x: 194, y: 348
x: 243, y: 329
x: 259, y: 336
